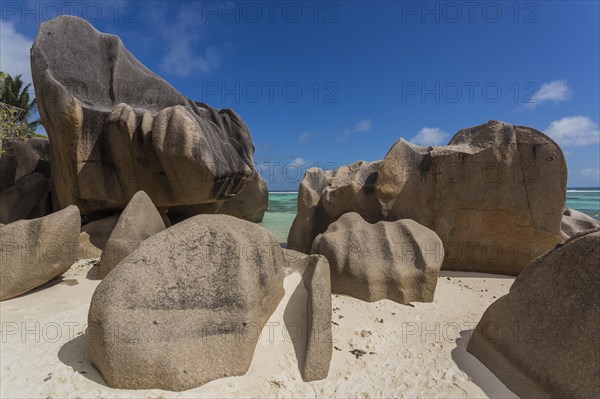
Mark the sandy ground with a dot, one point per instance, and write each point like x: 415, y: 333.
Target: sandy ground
x: 409, y: 351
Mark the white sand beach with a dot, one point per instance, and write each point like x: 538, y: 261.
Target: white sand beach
x: 409, y: 351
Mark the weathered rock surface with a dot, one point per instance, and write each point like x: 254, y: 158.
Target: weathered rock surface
x: 319, y: 343
x: 21, y: 158
x: 24, y: 179
x: 495, y: 195
x: 28, y: 198
x: 397, y: 260
x: 35, y: 251
x: 575, y: 222
x: 140, y: 220
x: 326, y: 195
x: 94, y: 236
x: 188, y: 305
x: 116, y: 128
x: 541, y: 339
x: 251, y: 204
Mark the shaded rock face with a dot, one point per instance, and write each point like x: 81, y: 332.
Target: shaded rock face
x: 397, y: 260
x: 94, y: 235
x: 24, y: 179
x: 495, y: 195
x: 326, y: 195
x: 541, y: 339
x: 116, y: 128
x: 251, y: 204
x: 187, y: 306
x: 575, y: 222
x: 319, y: 343
x: 140, y: 220
x: 35, y: 251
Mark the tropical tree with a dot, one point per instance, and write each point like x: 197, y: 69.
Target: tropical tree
x: 16, y: 108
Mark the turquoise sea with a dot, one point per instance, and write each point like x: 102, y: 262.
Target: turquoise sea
x: 282, y: 208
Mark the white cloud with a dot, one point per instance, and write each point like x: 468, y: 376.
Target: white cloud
x: 299, y: 161
x: 362, y: 126
x: 555, y: 91
x: 183, y: 36
x: 14, y: 52
x: 304, y: 137
x: 589, y: 172
x: 430, y: 136
x: 574, y: 131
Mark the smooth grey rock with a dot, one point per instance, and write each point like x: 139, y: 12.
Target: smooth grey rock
x: 541, y: 339
x: 187, y: 306
x: 139, y: 221
x: 35, y: 251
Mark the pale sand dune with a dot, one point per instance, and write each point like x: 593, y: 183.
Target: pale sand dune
x: 415, y: 351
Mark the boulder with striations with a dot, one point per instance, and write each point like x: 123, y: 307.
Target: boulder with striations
x: 251, y: 204
x: 187, y: 306
x: 574, y: 222
x: 116, y: 128
x: 494, y: 195
x: 541, y: 339
x: 35, y: 251
x: 397, y: 260
x: 324, y: 196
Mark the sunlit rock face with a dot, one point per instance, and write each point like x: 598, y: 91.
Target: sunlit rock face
x: 116, y: 128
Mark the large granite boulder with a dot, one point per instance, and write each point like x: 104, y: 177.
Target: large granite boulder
x: 116, y: 128
x: 574, y: 222
x: 324, y: 196
x: 140, y: 220
x: 495, y: 195
x: 397, y: 260
x: 32, y: 252
x: 541, y: 339
x: 24, y: 179
x: 251, y: 204
x: 187, y: 306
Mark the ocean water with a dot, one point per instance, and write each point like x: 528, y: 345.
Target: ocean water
x: 283, y: 205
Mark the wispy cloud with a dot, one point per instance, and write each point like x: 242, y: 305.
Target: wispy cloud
x: 362, y: 126
x: 304, y: 137
x: 182, y: 32
x: 430, y: 136
x: 574, y: 131
x: 299, y: 161
x: 555, y: 91
x: 14, y: 52
x: 590, y: 172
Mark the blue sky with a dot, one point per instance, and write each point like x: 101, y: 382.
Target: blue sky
x: 328, y: 83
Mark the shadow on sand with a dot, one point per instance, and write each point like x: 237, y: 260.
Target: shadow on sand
x: 479, y: 374
x: 295, y: 320
x: 75, y: 354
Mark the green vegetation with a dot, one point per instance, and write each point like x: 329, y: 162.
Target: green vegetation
x: 16, y: 108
